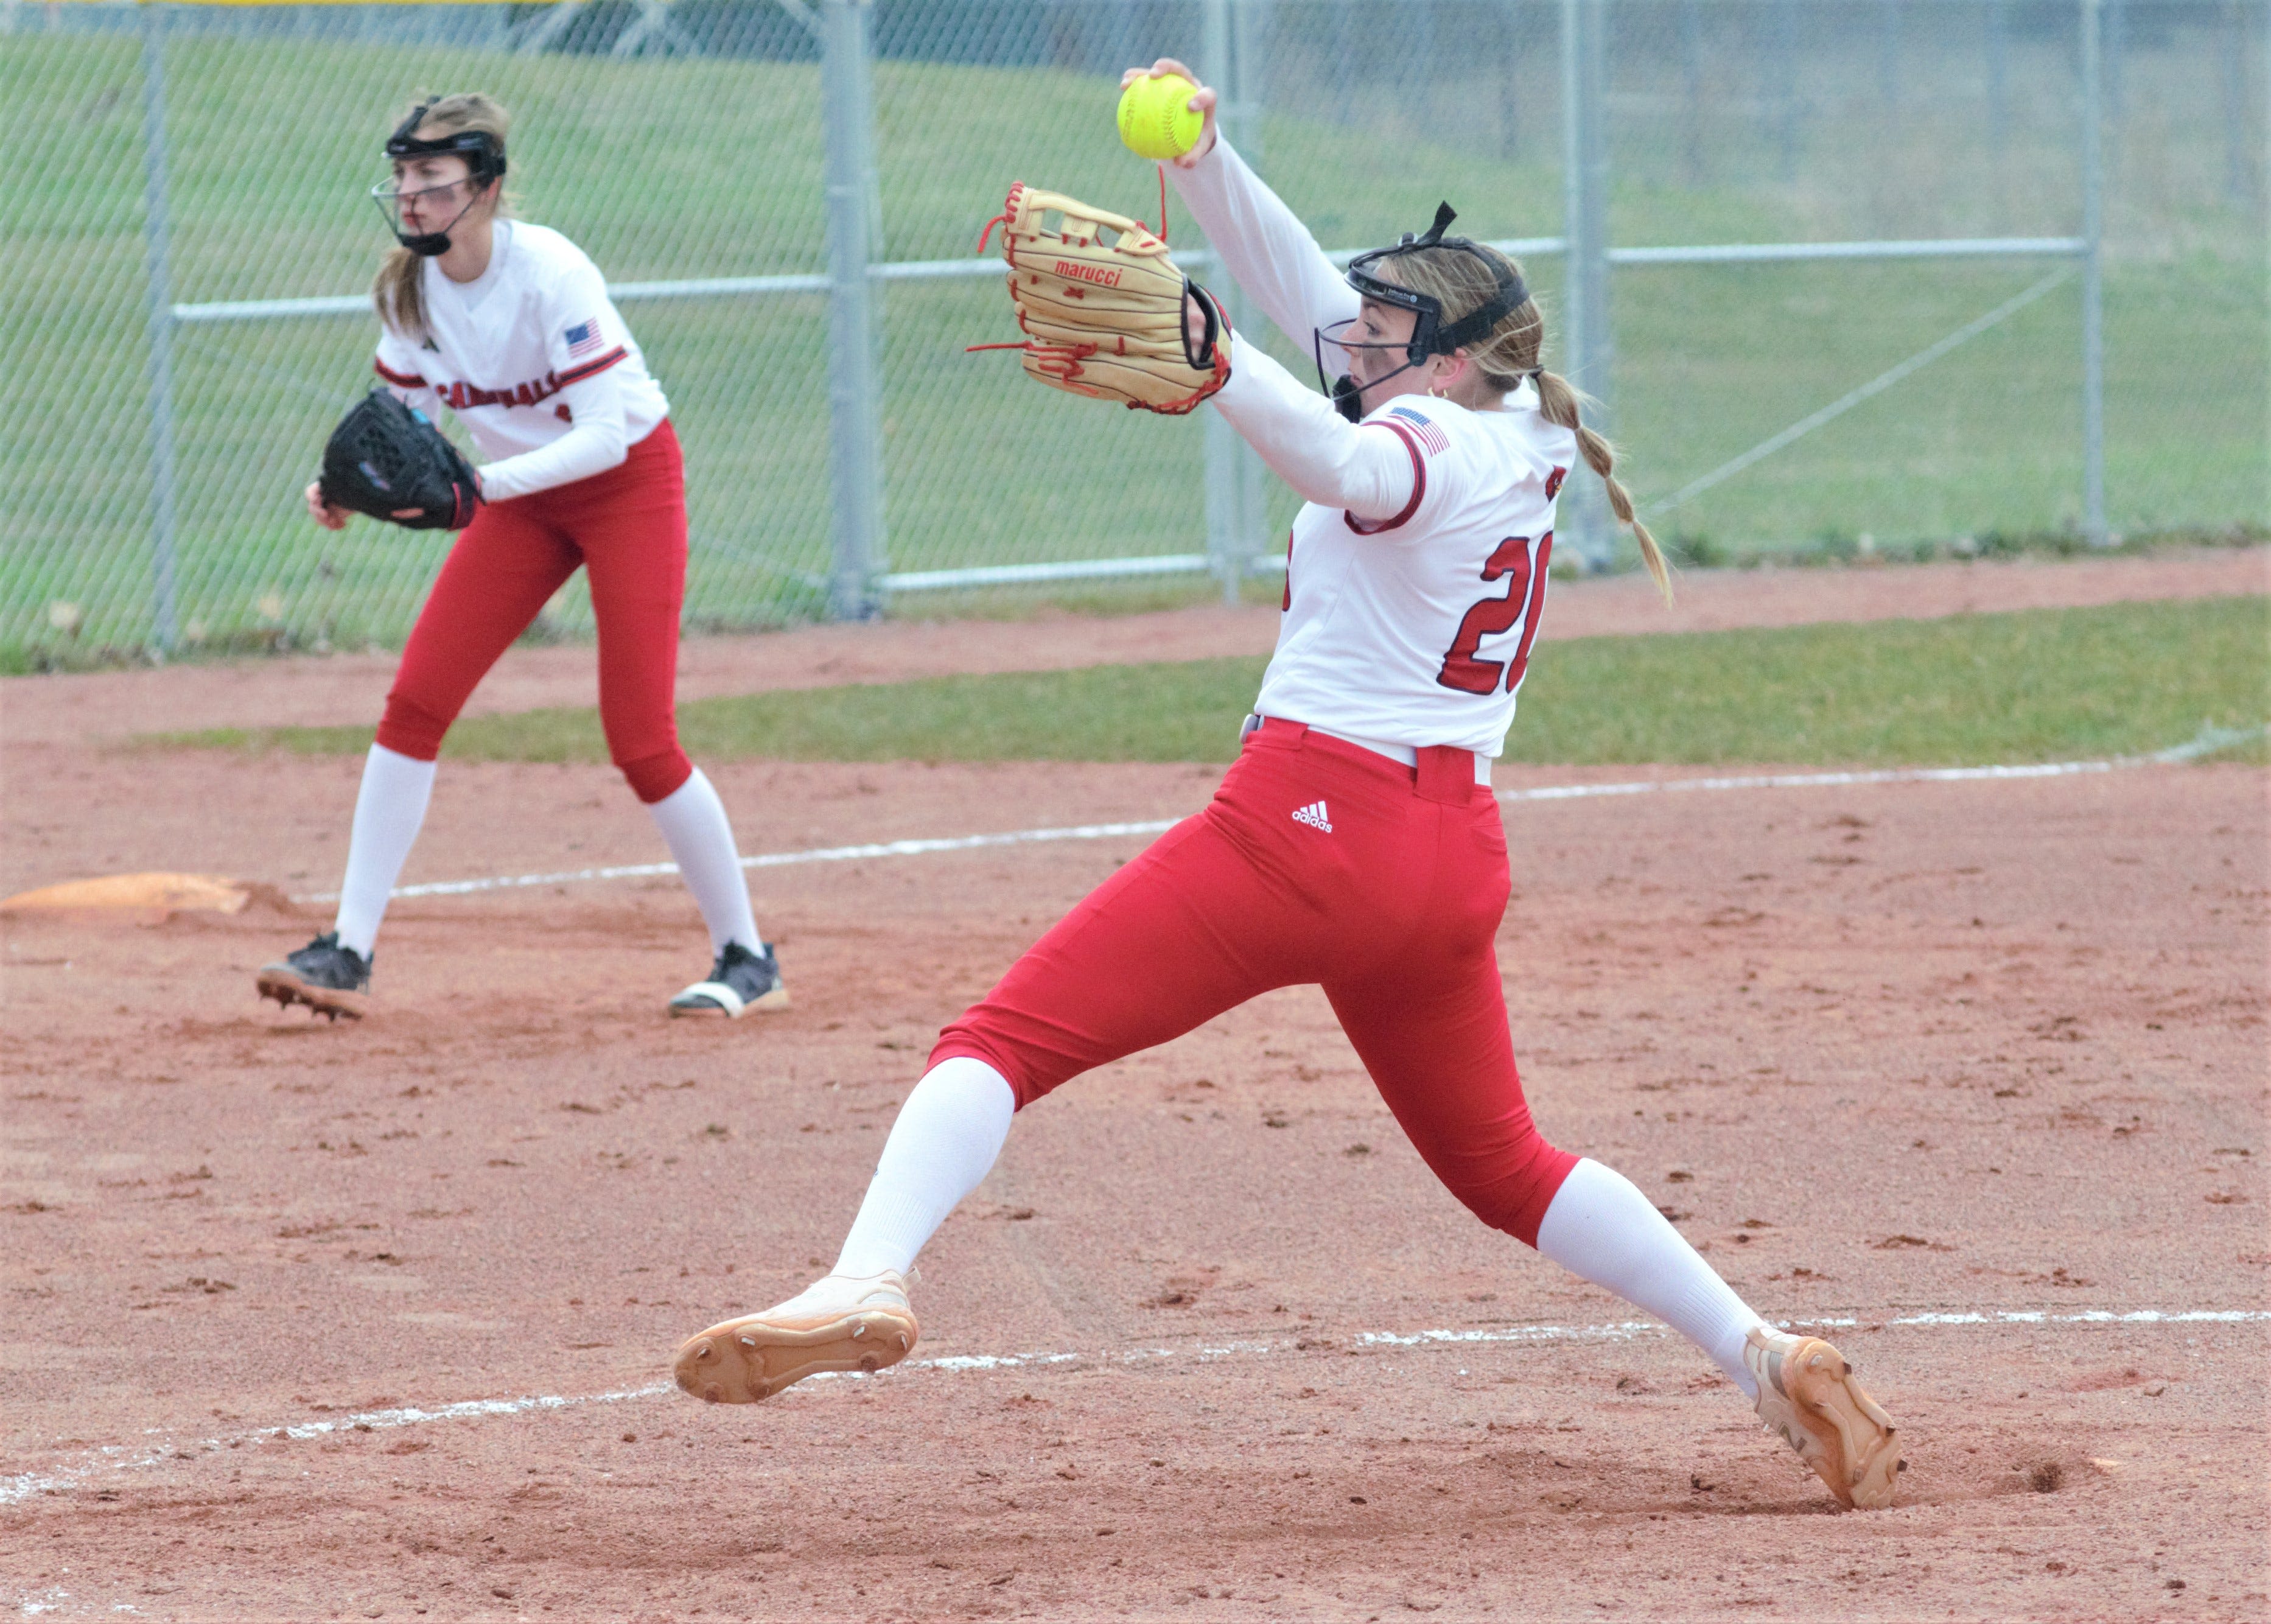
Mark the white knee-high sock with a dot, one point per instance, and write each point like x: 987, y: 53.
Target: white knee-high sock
x: 701, y: 840
x: 1599, y: 1226
x: 947, y: 1135
x: 390, y: 808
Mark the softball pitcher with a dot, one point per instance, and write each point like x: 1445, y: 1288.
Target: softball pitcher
x: 1355, y: 843
x: 509, y: 325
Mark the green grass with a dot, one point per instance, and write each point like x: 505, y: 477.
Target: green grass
x: 2254, y: 752
x: 2042, y: 685
x: 669, y: 167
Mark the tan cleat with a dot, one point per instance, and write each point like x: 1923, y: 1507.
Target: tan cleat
x: 1807, y: 1393
x: 836, y: 1324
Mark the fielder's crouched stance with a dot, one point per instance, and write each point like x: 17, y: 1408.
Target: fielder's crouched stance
x: 509, y: 325
x: 1355, y: 843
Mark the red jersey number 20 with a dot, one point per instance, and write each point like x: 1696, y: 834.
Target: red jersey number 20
x: 1491, y: 616
x: 1488, y: 617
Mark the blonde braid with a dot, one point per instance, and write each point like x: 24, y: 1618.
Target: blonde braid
x: 1558, y: 401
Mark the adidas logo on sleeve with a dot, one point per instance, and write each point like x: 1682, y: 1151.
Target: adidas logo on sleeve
x: 1314, y: 815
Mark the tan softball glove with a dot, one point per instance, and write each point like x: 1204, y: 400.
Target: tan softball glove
x: 1104, y: 311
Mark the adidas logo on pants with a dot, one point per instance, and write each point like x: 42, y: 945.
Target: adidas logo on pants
x: 1314, y: 816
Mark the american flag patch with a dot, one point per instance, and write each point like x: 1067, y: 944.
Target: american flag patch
x: 1430, y: 432
x: 584, y: 339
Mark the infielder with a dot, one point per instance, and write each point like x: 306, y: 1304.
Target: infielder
x: 1355, y: 843
x: 509, y: 325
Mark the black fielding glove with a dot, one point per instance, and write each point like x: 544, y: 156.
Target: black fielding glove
x: 388, y: 461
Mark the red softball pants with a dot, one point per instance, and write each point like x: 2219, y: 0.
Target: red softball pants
x: 627, y: 528
x: 1316, y: 861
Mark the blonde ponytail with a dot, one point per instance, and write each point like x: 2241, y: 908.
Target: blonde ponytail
x: 400, y: 294
x: 1558, y: 401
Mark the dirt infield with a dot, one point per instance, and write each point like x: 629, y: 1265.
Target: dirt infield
x: 1963, y: 1063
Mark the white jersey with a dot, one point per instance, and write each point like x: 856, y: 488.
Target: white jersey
x: 1417, y: 569
x: 1415, y: 629
x: 535, y: 361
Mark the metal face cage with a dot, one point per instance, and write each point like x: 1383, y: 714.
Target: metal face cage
x: 1429, y: 334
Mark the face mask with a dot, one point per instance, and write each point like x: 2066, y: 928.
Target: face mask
x: 1430, y: 334
x: 1346, y: 393
x: 425, y: 244
x: 484, y: 156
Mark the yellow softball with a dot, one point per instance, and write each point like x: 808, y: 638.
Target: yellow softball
x: 1155, y: 116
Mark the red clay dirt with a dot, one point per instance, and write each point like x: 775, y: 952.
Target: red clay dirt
x: 1888, y: 1053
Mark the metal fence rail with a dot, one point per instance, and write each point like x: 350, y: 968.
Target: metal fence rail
x: 1779, y: 125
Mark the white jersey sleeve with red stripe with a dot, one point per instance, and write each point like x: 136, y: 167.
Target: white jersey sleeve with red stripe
x: 535, y: 361
x: 1414, y: 626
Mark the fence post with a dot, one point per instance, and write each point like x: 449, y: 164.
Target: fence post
x: 157, y: 236
x: 1584, y: 181
x: 1998, y: 78
x: 2236, y: 188
x: 855, y: 467
x: 1888, y: 54
x: 1690, y: 78
x: 1781, y: 53
x: 2114, y: 63
x: 1237, y: 498
x: 2093, y: 280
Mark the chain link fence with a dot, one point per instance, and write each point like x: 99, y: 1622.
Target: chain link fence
x: 1836, y: 269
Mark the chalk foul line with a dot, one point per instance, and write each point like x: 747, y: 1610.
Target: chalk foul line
x: 64, y: 1476
x: 1636, y: 1328
x: 784, y: 860
x: 2209, y: 740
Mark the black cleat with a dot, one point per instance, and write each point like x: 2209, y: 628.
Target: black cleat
x: 740, y: 981
x: 329, y: 978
